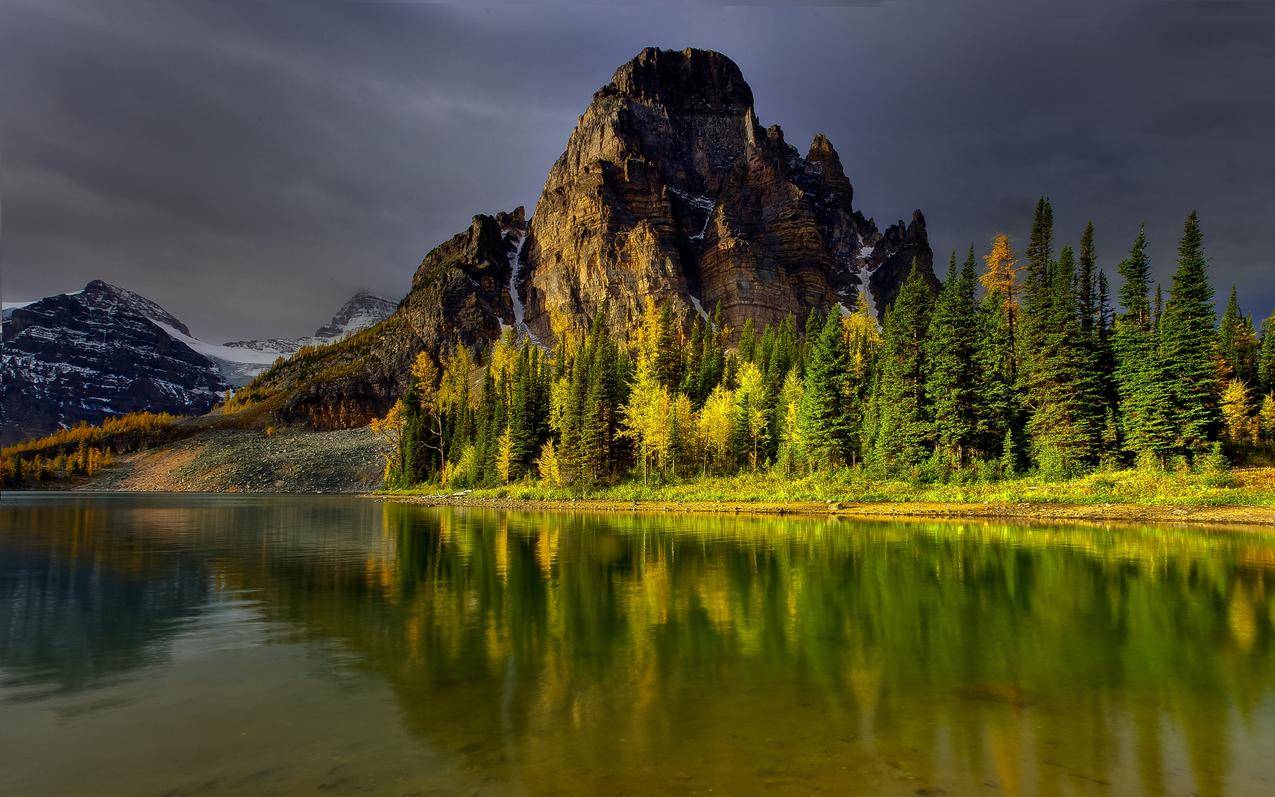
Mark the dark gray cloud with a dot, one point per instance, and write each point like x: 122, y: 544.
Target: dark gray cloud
x: 249, y: 165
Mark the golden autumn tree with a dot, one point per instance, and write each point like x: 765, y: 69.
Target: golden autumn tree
x: 647, y: 417
x: 389, y: 433
x: 1001, y: 275
x: 716, y: 425
x: 863, y: 334
x: 1236, y: 418
x: 433, y: 399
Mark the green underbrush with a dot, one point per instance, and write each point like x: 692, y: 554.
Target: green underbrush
x: 1146, y: 486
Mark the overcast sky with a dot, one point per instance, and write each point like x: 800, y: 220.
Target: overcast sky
x: 249, y: 165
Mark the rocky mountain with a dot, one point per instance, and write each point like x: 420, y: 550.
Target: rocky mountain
x: 97, y: 352
x: 361, y: 311
x: 105, y: 351
x: 670, y: 187
x: 461, y: 292
x: 242, y: 360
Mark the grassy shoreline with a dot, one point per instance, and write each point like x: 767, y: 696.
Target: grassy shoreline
x: 1246, y: 496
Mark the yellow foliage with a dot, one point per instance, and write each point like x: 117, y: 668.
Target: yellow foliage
x: 647, y: 418
x: 1235, y: 412
x: 1266, y: 417
x: 389, y: 432
x: 863, y: 334
x: 1001, y: 276
x: 547, y: 465
x: 716, y: 423
x: 505, y: 455
x: 135, y: 424
x: 425, y: 374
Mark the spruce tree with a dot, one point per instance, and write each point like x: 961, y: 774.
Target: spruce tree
x: 1266, y: 356
x: 748, y: 340
x: 824, y: 416
x: 1037, y: 286
x: 668, y: 359
x: 1093, y: 384
x: 952, y: 378
x: 904, y: 434
x: 1000, y: 409
x: 1087, y: 283
x: 1060, y: 438
x: 1188, y: 339
x: 1237, y: 344
x: 1145, y: 405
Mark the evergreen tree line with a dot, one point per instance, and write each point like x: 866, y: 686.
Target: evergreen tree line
x: 1011, y: 366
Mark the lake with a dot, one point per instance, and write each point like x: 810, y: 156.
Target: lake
x: 183, y: 644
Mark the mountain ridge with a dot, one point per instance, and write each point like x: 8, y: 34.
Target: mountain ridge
x: 106, y: 350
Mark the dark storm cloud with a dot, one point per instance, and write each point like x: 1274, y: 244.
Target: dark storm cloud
x: 249, y: 165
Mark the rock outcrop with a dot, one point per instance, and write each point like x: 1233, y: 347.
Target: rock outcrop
x: 670, y: 187
x: 461, y: 293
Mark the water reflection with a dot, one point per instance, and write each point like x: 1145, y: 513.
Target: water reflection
x: 551, y: 652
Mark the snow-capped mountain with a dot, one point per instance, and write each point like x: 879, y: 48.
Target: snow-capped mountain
x: 97, y: 352
x: 361, y: 311
x: 244, y: 359
x: 104, y: 351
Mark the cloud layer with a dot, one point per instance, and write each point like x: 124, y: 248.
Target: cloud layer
x: 250, y: 165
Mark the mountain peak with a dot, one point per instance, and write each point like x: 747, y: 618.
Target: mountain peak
x: 684, y: 80
x: 103, y: 291
x: 360, y: 311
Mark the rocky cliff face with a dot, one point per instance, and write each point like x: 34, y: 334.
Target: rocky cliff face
x: 671, y: 187
x: 461, y: 293
x: 101, y: 351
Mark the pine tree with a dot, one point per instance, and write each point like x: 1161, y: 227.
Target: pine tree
x: 599, y: 413
x: 1188, y: 339
x: 747, y: 341
x: 1087, y: 284
x: 752, y: 414
x: 952, y: 374
x: 716, y: 427
x: 1145, y: 403
x: 999, y: 406
x: 1266, y: 417
x: 1037, y: 285
x: 1060, y: 440
x: 1237, y: 423
x: 824, y: 415
x: 904, y: 433
x: 1237, y: 343
x: 1092, y: 384
x: 1266, y: 356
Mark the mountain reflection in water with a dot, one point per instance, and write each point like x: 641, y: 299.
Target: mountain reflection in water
x: 292, y: 643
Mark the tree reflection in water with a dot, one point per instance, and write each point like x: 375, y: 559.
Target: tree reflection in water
x: 557, y: 651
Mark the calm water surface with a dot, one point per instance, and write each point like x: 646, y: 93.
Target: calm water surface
x: 229, y: 645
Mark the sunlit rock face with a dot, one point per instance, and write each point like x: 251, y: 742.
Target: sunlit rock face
x: 670, y: 187
x: 460, y: 295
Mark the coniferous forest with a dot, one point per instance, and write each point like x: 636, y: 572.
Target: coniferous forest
x: 1020, y: 363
